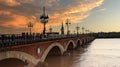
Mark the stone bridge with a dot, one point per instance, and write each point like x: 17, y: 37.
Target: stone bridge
x: 36, y: 53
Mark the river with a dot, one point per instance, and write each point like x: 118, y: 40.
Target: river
x: 99, y: 53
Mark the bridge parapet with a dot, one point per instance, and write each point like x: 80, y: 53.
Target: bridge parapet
x: 20, y: 39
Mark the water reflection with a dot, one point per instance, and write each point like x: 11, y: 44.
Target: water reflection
x: 68, y: 60
x: 100, y: 53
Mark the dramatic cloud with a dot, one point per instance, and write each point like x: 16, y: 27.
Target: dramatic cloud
x: 15, y: 14
x: 10, y: 2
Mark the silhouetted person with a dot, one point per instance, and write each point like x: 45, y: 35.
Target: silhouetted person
x: 13, y: 37
x: 2, y: 38
x: 23, y: 36
x: 27, y: 36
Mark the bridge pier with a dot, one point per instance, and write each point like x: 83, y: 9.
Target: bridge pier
x: 41, y: 64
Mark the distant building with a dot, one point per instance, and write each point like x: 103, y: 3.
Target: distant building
x: 52, y: 34
x: 62, y: 29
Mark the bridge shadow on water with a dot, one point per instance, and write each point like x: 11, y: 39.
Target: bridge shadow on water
x: 54, y: 59
x: 11, y: 62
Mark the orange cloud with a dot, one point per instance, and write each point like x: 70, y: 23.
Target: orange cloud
x: 75, y: 11
x: 20, y: 21
x: 10, y: 2
x: 17, y: 21
x: 4, y: 12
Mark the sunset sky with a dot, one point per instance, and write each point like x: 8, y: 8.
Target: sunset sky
x: 95, y: 15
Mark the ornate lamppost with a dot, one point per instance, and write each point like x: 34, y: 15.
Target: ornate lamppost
x: 74, y: 32
x: 83, y: 30
x: 86, y: 31
x: 30, y: 26
x: 44, y: 20
x: 67, y: 24
x: 77, y: 28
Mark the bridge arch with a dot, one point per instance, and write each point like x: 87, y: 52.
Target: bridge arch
x: 18, y: 55
x: 82, y: 41
x: 70, y: 43
x: 50, y: 48
x: 12, y: 62
x: 78, y: 42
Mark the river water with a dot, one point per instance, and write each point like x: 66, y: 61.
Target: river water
x: 99, y: 53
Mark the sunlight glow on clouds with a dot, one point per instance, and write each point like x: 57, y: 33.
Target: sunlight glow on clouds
x: 17, y: 13
x: 10, y: 2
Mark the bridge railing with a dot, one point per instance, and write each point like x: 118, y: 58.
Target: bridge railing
x: 7, y: 40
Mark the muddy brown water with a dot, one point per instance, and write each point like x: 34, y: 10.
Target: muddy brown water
x: 99, y: 53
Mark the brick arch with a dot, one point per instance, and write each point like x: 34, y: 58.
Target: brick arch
x: 50, y: 48
x: 18, y: 55
x: 83, y: 41
x: 79, y: 40
x: 68, y: 43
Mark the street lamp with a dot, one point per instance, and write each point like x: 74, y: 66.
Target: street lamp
x: 83, y: 30
x: 74, y: 32
x: 67, y: 24
x: 30, y: 26
x: 86, y: 31
x: 44, y: 20
x: 77, y: 28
